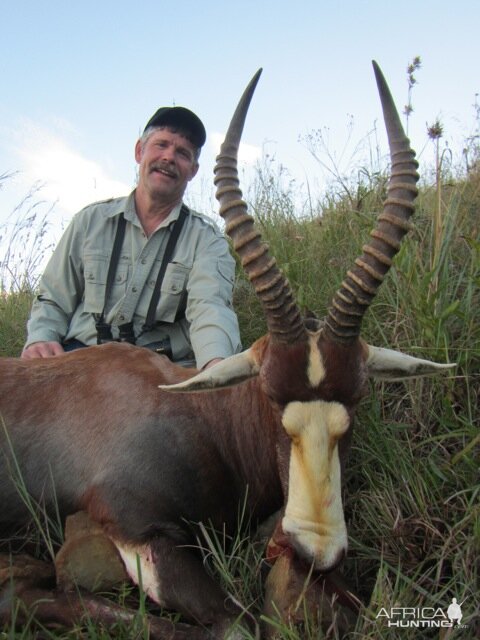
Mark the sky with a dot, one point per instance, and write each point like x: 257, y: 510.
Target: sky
x: 79, y: 80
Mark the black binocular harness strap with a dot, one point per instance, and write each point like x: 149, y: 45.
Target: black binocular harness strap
x: 104, y: 329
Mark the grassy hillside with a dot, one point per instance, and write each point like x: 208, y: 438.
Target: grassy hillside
x: 412, y: 482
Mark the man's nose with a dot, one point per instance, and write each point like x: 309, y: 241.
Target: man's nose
x: 168, y: 154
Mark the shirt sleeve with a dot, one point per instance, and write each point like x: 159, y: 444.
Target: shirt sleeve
x: 214, y: 330
x: 60, y: 290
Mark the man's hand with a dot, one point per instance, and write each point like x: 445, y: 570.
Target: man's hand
x: 42, y: 350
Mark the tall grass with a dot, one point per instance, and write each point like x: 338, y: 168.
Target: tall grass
x: 412, y: 483
x: 24, y: 241
x: 24, y: 246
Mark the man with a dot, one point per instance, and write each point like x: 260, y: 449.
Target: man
x: 91, y: 293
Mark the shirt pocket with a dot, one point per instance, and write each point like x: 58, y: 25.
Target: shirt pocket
x: 96, y: 270
x: 173, y: 293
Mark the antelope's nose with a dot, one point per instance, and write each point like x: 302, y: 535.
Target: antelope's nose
x: 338, y: 560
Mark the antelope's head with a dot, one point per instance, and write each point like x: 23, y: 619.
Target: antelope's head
x: 315, y: 372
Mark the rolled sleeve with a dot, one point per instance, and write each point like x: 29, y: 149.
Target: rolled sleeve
x: 60, y: 291
x: 214, y: 330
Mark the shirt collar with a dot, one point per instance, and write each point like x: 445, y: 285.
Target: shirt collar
x: 127, y: 207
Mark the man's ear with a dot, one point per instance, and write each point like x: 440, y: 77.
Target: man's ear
x: 194, y: 170
x: 138, y: 151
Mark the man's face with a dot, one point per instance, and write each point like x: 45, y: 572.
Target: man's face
x: 167, y: 163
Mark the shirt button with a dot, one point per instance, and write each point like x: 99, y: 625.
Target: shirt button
x: 143, y: 261
x: 134, y: 289
x: 121, y: 317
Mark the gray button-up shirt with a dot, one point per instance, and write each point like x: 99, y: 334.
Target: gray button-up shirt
x: 195, y: 307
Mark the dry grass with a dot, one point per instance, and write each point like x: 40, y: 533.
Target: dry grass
x: 412, y: 482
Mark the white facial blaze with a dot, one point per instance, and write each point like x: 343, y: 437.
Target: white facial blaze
x: 314, y: 514
x: 316, y: 369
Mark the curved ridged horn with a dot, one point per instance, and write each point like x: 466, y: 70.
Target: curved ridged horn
x: 362, y: 282
x: 284, y: 321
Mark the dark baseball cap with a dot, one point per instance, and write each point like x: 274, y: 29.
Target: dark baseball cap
x: 180, y: 117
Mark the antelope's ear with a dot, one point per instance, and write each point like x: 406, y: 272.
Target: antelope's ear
x: 226, y: 373
x: 386, y: 364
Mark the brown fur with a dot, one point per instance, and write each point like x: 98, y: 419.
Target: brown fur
x: 144, y: 462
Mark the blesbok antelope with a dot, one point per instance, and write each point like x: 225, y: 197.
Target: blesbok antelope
x: 125, y: 434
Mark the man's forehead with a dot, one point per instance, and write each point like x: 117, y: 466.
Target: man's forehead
x: 170, y: 132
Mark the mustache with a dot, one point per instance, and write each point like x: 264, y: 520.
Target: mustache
x: 163, y: 166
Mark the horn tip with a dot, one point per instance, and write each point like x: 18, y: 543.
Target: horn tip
x: 256, y: 78
x: 380, y: 78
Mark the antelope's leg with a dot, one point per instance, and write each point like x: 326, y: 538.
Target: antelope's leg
x: 174, y: 577
x: 51, y: 607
